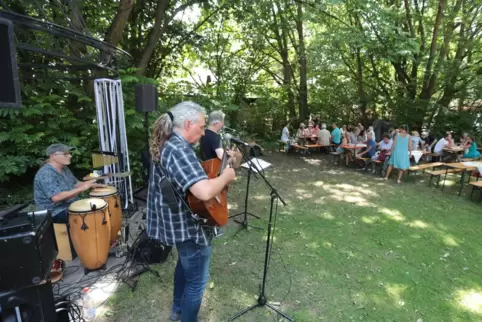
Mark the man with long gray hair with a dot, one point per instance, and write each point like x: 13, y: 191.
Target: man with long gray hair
x: 175, y: 170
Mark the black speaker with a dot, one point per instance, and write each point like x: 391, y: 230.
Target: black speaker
x: 146, y: 250
x: 28, y: 249
x: 34, y: 303
x: 146, y: 98
x: 9, y: 82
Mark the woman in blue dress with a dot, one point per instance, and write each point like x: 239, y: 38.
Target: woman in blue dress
x: 401, y: 153
x: 472, y: 152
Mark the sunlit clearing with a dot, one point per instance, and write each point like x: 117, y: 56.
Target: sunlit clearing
x: 318, y: 183
x: 301, y: 191
x: 447, y: 183
x: 395, y: 291
x: 450, y: 241
x: 320, y: 201
x: 312, y: 161
x: 393, y: 214
x: 360, y: 201
x: 261, y: 197
x: 326, y: 215
x: 470, y: 300
x: 418, y: 224
x: 370, y: 220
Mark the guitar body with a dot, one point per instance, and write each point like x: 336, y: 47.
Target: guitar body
x: 214, y: 210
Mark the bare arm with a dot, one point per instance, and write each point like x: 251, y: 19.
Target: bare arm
x: 79, y: 187
x: 219, y: 153
x: 208, y: 188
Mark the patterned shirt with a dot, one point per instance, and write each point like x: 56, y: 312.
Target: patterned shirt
x: 49, y: 182
x: 168, y: 218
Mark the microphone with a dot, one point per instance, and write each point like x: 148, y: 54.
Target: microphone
x: 229, y: 137
x: 228, y: 129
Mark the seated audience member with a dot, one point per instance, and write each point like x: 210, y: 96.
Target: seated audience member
x: 464, y: 138
x: 471, y: 151
x: 372, y: 132
x: 55, y: 187
x: 385, y: 147
x: 416, y: 141
x: 285, y: 137
x: 300, y: 134
x: 324, y: 136
x: 428, y: 141
x: 315, y: 132
x: 370, y: 150
x: 354, y: 136
x: 445, y: 142
x: 335, y: 134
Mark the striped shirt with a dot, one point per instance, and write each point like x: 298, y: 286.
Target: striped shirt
x: 168, y: 218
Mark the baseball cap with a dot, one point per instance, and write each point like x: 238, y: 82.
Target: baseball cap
x: 58, y: 147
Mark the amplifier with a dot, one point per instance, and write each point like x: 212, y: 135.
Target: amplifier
x: 34, y: 303
x: 27, y: 249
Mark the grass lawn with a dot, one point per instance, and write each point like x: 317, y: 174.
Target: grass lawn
x: 348, y: 246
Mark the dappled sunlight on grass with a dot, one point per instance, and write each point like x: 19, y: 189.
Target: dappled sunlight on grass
x: 312, y: 161
x: 417, y: 224
x: 326, y: 215
x: 262, y: 197
x: 370, y: 219
x: 318, y: 183
x: 395, y: 291
x: 448, y: 183
x: 233, y: 205
x: 470, y: 300
x: 392, y: 214
x: 450, y: 241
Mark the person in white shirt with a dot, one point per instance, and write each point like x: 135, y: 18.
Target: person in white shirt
x: 385, y: 148
x: 285, y: 137
x: 443, y: 143
x: 324, y: 136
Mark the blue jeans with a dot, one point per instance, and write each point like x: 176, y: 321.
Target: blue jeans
x: 190, y: 279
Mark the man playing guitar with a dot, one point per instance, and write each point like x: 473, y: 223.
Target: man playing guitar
x: 175, y: 171
x: 210, y: 143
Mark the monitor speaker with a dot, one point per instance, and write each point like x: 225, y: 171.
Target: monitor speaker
x: 9, y: 82
x: 146, y: 98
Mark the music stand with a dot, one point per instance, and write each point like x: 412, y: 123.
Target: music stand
x: 251, y: 170
x: 262, y: 301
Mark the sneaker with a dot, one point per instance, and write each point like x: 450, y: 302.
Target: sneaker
x: 175, y: 316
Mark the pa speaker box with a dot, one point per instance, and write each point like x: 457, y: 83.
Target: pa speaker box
x: 28, y: 249
x: 9, y: 82
x: 147, y: 250
x: 146, y: 98
x: 34, y: 303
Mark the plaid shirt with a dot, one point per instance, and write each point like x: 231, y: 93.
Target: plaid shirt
x: 168, y: 218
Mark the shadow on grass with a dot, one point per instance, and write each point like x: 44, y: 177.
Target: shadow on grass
x: 347, y: 246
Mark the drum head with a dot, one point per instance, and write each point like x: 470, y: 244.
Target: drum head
x: 87, y: 205
x: 103, y: 191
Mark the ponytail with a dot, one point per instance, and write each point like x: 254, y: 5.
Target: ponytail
x: 161, y: 132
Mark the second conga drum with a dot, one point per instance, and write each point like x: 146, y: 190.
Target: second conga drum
x: 110, y: 195
x: 90, y: 231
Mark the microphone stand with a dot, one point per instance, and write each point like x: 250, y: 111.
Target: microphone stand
x: 262, y: 301
x: 244, y: 223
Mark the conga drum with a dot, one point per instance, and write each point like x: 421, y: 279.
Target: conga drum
x: 89, y: 227
x: 110, y: 195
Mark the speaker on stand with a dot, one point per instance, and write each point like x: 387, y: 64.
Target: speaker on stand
x: 9, y: 81
x: 146, y: 102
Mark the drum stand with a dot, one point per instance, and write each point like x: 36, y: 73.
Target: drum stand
x: 244, y: 223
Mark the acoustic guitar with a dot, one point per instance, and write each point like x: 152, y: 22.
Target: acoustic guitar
x: 214, y: 210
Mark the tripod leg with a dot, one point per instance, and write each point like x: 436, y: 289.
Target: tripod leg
x: 279, y: 312
x: 243, y: 312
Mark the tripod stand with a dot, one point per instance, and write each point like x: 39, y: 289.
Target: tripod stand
x: 262, y: 301
x: 244, y: 222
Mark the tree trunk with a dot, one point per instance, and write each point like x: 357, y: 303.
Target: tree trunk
x: 304, y: 111
x: 153, y: 37
x: 114, y: 35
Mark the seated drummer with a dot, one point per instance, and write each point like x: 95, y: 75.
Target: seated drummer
x: 55, y: 187
x: 210, y: 143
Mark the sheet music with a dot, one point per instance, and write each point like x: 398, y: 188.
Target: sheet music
x: 257, y: 164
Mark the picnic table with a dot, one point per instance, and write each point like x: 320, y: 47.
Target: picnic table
x: 455, y: 149
x: 352, y: 148
x: 462, y: 168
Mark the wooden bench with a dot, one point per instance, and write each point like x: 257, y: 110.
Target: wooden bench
x: 314, y: 146
x: 281, y: 145
x: 477, y: 185
x: 65, y: 248
x: 299, y: 147
x: 424, y: 166
x: 439, y: 173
